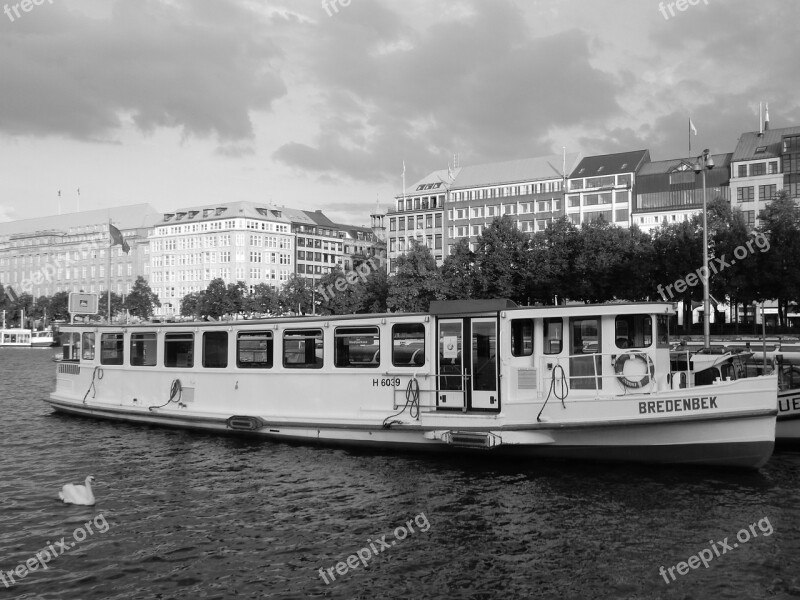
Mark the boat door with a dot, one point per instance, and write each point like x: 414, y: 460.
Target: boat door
x: 468, y: 378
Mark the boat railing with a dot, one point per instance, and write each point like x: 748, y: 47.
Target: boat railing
x: 586, y: 373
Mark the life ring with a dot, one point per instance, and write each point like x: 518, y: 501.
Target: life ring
x: 619, y: 367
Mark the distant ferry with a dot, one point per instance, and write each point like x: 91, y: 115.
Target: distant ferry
x: 42, y: 339
x: 16, y: 338
x: 577, y: 381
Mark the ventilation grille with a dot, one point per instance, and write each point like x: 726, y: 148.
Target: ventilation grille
x: 526, y: 379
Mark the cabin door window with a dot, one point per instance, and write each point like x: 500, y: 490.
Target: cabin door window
x: 452, y: 390
x: 585, y: 369
x: 483, y: 366
x: 468, y: 371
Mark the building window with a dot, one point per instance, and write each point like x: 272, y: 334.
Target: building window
x: 767, y: 192
x: 143, y: 349
x: 215, y: 349
x: 303, y: 349
x: 438, y: 220
x: 758, y: 169
x: 357, y: 347
x: 742, y: 170
x: 773, y: 167
x: 745, y: 194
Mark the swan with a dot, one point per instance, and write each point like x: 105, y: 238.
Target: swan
x: 78, y: 494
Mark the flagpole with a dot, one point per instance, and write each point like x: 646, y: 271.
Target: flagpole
x: 108, y: 276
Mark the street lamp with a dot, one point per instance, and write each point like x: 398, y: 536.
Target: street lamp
x: 705, y: 163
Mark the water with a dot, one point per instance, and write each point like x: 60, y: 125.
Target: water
x: 188, y: 515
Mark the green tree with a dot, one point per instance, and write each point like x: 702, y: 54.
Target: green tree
x: 374, y: 292
x: 416, y: 282
x: 141, y: 301
x: 59, y: 306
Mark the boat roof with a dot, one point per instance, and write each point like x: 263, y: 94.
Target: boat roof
x: 439, y: 308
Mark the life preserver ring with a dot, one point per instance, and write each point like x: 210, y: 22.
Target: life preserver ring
x: 619, y: 367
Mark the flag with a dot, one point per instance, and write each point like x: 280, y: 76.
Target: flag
x: 692, y: 128
x: 116, y: 238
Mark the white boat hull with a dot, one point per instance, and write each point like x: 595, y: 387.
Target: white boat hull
x: 787, y: 429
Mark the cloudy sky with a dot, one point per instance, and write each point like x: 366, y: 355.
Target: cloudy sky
x: 315, y: 104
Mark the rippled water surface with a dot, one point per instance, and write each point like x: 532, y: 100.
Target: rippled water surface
x: 188, y: 515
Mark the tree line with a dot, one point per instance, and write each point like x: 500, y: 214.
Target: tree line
x: 596, y: 262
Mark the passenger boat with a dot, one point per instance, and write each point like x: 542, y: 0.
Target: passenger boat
x: 577, y: 381
x: 17, y: 338
x: 42, y: 339
x: 718, y: 363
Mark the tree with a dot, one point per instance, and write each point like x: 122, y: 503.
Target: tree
x: 238, y: 297
x: 458, y: 272
x: 552, y: 264
x: 265, y: 299
x: 416, y: 282
x: 777, y: 258
x: 59, y: 306
x: 374, y: 292
x: 502, y: 258
x: 117, y: 305
x: 335, y: 296
x: 216, y: 301
x: 678, y: 249
x: 141, y: 300
x: 191, y: 305
x: 297, y: 295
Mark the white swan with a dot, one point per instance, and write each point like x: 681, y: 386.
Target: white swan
x: 78, y: 494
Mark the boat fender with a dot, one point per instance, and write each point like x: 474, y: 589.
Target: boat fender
x: 619, y: 367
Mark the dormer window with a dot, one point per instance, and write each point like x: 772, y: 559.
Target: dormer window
x: 168, y: 216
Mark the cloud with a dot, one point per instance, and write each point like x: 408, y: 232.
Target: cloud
x: 199, y: 66
x: 7, y: 213
x: 479, y: 82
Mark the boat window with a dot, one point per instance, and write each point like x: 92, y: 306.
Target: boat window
x: 215, y: 349
x: 585, y: 371
x: 408, y: 344
x: 357, y: 347
x: 662, y: 331
x: 112, y: 347
x: 178, y: 349
x: 553, y: 336
x: 633, y: 331
x: 87, y: 344
x: 143, y: 349
x: 521, y: 337
x: 302, y: 349
x: 254, y: 350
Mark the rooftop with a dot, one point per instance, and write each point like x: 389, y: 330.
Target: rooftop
x: 753, y: 146
x: 515, y: 171
x: 660, y: 167
x: 611, y: 164
x: 133, y: 216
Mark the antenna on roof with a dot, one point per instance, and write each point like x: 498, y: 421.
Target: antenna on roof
x: 766, y: 118
x: 456, y: 163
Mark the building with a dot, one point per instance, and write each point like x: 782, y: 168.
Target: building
x: 764, y: 163
x: 529, y: 191
x: 238, y: 241
x: 71, y: 252
x: 669, y: 191
x: 419, y: 215
x: 604, y: 186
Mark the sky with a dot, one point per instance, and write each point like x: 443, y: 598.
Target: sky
x: 319, y: 104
